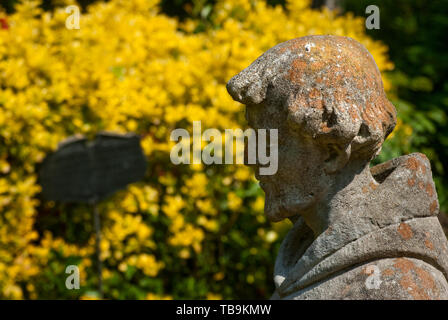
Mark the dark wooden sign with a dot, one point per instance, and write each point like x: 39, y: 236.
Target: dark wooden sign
x: 86, y: 171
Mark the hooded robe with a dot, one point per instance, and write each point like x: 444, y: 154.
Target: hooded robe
x: 392, y: 246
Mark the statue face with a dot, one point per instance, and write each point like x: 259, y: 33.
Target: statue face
x: 300, y: 181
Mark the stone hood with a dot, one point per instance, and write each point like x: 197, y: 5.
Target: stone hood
x: 398, y: 219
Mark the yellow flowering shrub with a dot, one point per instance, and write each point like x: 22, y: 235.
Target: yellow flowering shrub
x: 184, y: 231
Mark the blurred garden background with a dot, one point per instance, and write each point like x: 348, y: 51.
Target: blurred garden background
x: 149, y: 66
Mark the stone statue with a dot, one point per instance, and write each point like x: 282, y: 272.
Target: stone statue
x: 358, y: 232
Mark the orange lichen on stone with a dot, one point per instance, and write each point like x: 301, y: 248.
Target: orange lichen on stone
x: 430, y: 190
x: 317, y: 104
x: 425, y: 278
x: 324, y: 127
x: 405, y: 231
x: 415, y: 165
x: 404, y: 264
x: 315, y: 93
x: 433, y: 206
x: 294, y: 74
x: 413, y: 289
x: 368, y: 270
x: 373, y: 186
x: 316, y: 66
x: 417, y: 289
x: 368, y: 114
x: 353, y: 113
x: 421, y: 185
x: 412, y: 164
x: 298, y: 103
x: 388, y: 272
x: 429, y: 244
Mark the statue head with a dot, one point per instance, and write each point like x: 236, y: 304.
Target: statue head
x: 325, y: 96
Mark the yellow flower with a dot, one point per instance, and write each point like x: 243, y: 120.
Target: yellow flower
x: 148, y: 264
x: 173, y: 205
x: 196, y: 186
x: 211, y: 225
x: 243, y: 174
x: 258, y: 204
x: 234, y: 202
x: 206, y: 207
x: 213, y: 296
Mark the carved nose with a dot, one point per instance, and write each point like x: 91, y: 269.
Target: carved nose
x: 246, y: 87
x: 235, y: 89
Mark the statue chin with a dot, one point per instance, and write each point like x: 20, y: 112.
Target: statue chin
x: 273, y: 213
x: 280, y: 208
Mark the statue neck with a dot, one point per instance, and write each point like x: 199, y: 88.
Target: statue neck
x: 346, y: 193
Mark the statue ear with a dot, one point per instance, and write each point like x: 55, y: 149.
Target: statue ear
x: 337, y: 157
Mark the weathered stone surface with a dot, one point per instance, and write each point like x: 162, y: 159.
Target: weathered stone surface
x: 325, y: 96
